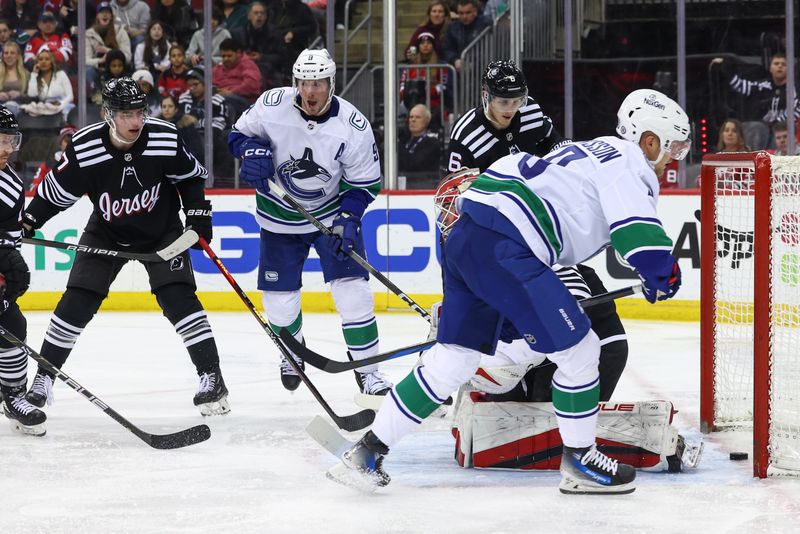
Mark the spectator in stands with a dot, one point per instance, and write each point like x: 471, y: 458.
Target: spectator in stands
x: 68, y: 17
x: 49, y: 87
x: 295, y: 22
x: 144, y: 79
x: 193, y: 103
x: 767, y: 97
x: 173, y: 81
x: 780, y: 135
x: 234, y: 13
x: 153, y: 53
x: 413, y: 81
x: 419, y: 158
x: 263, y: 44
x: 731, y: 137
x: 13, y: 78
x: 436, y: 23
x: 5, y: 34
x: 237, y: 78
x: 218, y: 34
x: 463, y: 31
x: 186, y: 125
x: 178, y: 18
x: 47, y: 37
x: 21, y: 15
x: 104, y: 35
x: 134, y: 15
x: 64, y: 137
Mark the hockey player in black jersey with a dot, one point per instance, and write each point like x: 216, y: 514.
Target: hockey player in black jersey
x: 509, y: 121
x: 14, y: 280
x: 137, y: 174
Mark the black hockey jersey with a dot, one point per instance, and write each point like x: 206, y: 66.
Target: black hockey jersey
x: 133, y: 192
x: 12, y: 200
x: 475, y: 142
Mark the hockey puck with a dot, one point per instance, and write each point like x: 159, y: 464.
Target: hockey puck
x: 738, y: 456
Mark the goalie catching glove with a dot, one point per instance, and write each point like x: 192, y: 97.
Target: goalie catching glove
x: 198, y: 216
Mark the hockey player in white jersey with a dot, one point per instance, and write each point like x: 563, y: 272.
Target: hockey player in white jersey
x: 321, y: 150
x: 520, y: 217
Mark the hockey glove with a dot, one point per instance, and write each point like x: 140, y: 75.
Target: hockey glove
x: 257, y: 167
x: 662, y: 288
x: 198, y: 216
x: 17, y: 276
x: 346, y: 228
x: 29, y: 225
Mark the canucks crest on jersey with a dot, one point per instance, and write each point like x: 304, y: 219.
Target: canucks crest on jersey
x: 316, y: 158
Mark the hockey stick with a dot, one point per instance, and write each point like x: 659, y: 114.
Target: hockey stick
x: 350, y: 423
x: 186, y: 240
x: 357, y: 257
x: 334, y: 366
x: 176, y: 440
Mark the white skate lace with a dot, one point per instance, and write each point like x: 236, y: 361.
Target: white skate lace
x: 22, y: 406
x: 601, y: 460
x: 207, y: 381
x: 286, y: 367
x: 43, y: 386
x: 374, y: 382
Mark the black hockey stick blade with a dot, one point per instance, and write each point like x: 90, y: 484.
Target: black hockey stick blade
x: 176, y: 440
x: 611, y: 295
x: 350, y: 423
x: 333, y: 366
x: 177, y: 247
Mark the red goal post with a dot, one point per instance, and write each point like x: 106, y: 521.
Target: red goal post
x: 750, y: 347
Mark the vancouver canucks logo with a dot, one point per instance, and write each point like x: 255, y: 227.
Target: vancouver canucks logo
x: 304, y: 178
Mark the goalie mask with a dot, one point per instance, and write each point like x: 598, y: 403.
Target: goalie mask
x: 124, y: 109
x: 9, y: 130
x: 450, y: 188
x: 647, y: 110
x: 314, y: 65
x: 505, y: 84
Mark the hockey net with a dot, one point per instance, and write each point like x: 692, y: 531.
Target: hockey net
x: 750, y: 304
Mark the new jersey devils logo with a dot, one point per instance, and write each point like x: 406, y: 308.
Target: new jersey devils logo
x: 304, y: 178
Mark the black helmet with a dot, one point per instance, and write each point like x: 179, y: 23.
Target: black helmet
x: 504, y: 79
x: 123, y: 94
x: 8, y: 122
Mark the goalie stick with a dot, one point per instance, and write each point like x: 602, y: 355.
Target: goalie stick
x: 176, y: 440
x: 351, y: 423
x: 335, y: 366
x: 357, y: 257
x: 186, y: 240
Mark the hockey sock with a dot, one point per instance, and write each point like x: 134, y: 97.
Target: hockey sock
x: 184, y: 311
x: 74, y: 311
x: 356, y: 305
x: 362, y: 340
x: 13, y: 367
x: 283, y: 311
x: 576, y: 408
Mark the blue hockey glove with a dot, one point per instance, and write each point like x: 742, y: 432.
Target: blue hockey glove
x: 345, y: 228
x: 257, y: 167
x: 662, y: 288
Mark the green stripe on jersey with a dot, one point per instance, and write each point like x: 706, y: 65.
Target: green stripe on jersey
x: 358, y: 336
x: 373, y: 189
x: 279, y: 212
x: 581, y: 402
x: 531, y: 200
x: 293, y: 328
x: 414, y: 397
x: 637, y: 235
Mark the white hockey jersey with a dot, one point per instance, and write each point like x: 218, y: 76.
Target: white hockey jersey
x: 315, y: 160
x: 571, y: 204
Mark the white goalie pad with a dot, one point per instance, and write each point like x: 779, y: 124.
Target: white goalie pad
x: 524, y: 435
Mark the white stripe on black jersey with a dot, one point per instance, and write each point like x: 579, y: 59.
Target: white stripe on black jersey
x: 572, y: 278
x: 12, y: 201
x: 475, y: 142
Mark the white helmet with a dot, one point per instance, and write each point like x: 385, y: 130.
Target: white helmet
x: 647, y: 110
x: 315, y: 65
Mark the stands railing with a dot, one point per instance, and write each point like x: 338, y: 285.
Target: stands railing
x: 364, y: 23
x: 492, y: 43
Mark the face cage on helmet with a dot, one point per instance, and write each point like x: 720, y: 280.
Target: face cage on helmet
x: 109, y: 118
x: 14, y: 140
x: 446, y: 195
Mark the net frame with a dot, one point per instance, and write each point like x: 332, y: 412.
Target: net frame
x: 768, y: 185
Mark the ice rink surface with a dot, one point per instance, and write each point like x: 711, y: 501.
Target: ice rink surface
x: 260, y: 472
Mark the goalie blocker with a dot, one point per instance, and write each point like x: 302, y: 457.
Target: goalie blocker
x: 524, y: 435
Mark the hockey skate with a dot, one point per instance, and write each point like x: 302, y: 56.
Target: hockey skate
x: 23, y: 416
x: 589, y: 471
x: 289, y: 377
x: 373, y: 389
x: 41, y: 391
x: 212, y: 395
x: 362, y: 465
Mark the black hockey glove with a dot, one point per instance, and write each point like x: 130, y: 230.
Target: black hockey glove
x: 29, y: 225
x: 198, y: 216
x: 17, y: 276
